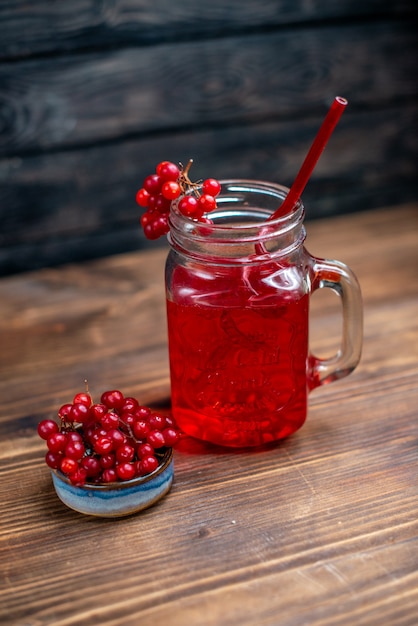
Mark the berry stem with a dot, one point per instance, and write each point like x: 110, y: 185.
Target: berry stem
x: 185, y: 182
x: 187, y: 169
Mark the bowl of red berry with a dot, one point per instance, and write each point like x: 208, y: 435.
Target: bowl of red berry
x: 112, y: 458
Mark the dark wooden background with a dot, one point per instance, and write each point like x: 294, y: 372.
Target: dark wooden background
x: 94, y: 92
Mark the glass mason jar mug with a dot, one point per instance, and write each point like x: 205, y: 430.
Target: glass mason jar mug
x: 238, y: 295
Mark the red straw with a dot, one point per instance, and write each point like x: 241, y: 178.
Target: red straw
x: 312, y: 157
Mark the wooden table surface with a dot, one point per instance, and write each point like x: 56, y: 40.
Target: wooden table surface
x: 320, y: 529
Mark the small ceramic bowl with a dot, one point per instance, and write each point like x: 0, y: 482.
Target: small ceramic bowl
x: 117, y: 499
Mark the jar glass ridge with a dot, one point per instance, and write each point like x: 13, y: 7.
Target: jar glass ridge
x: 239, y: 224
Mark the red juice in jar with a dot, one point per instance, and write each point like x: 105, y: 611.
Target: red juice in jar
x: 238, y: 353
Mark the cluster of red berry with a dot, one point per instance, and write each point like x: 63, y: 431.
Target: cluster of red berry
x: 115, y: 440
x: 168, y: 183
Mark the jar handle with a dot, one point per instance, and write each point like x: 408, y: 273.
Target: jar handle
x: 338, y: 277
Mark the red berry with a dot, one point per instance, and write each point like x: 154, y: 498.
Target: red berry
x: 171, y: 436
x: 82, y: 398
x: 147, y: 218
x: 109, y: 421
x: 73, y: 435
x: 127, y: 419
x: 160, y: 225
x: 148, y: 465
x: 103, y: 445
x: 118, y: 438
x: 91, y: 465
x: 170, y: 421
x: 207, y: 203
x: 150, y: 233
x: 53, y: 459
x: 170, y: 190
x: 142, y: 412
x: 162, y: 204
x: 157, y: 421
x: 125, y: 471
x: 97, y: 411
x: 78, y: 478
x: 142, y: 197
x: 167, y: 170
x: 152, y: 184
x: 156, y: 439
x: 95, y: 434
x: 68, y: 466
x: 129, y: 404
x: 79, y: 413
x: 144, y: 450
x: 109, y: 476
x: 113, y: 399
x: 107, y: 461
x: 205, y: 220
x: 75, y: 450
x: 125, y: 453
x: 88, y: 432
x: 47, y: 428
x: 56, y: 442
x: 211, y: 186
x: 189, y: 206
x: 64, y: 411
x: 141, y: 429
x: 152, y: 203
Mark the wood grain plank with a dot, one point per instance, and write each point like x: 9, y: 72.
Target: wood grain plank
x: 56, y: 208
x: 81, y: 99
x: 320, y: 527
x: 44, y: 27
